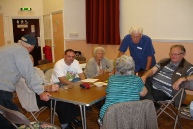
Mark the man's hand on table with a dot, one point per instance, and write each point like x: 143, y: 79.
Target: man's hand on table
x: 52, y: 88
x: 44, y: 96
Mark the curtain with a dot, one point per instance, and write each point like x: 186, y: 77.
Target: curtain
x: 102, y: 22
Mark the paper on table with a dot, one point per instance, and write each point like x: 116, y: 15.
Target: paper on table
x: 89, y: 80
x: 105, y: 84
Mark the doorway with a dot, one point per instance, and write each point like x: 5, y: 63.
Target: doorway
x: 58, y: 35
x: 28, y: 26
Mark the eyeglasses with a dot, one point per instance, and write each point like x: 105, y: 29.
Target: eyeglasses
x: 175, y: 54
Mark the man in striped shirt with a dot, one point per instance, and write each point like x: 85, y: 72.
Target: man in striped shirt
x: 159, y: 80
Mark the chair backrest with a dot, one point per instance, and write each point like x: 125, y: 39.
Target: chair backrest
x: 48, y: 74
x: 135, y: 115
x: 14, y: 116
x: 80, y: 58
x: 44, y: 61
x: 112, y: 63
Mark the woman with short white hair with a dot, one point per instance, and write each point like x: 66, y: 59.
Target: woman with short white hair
x: 98, y: 64
x: 124, y: 86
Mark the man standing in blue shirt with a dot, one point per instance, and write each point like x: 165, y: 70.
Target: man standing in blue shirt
x: 141, y: 49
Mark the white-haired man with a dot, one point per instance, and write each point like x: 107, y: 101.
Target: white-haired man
x: 16, y: 63
x: 160, y: 80
x: 141, y: 49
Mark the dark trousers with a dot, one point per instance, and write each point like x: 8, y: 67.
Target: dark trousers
x: 6, y: 101
x: 67, y: 112
x: 153, y: 94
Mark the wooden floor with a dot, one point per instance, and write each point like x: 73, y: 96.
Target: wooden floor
x: 164, y: 121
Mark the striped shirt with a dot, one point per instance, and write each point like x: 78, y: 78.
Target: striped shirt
x: 122, y: 89
x: 163, y: 79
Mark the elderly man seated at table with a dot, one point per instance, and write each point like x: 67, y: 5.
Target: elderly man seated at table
x: 124, y: 86
x: 98, y: 64
x: 160, y: 80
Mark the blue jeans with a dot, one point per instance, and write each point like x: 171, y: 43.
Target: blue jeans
x: 6, y: 101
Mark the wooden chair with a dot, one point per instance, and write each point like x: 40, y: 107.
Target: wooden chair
x: 16, y: 117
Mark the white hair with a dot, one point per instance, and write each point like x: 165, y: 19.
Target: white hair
x: 98, y: 48
x: 125, y: 65
x: 136, y: 30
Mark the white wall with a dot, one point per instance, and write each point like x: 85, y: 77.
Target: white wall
x: 50, y: 6
x: 75, y: 19
x: 11, y: 9
x: 162, y: 20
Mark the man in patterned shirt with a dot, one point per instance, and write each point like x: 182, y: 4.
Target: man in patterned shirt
x: 64, y: 74
x: 159, y: 80
x: 66, y: 69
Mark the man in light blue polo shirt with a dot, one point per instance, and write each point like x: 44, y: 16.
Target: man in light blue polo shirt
x: 141, y: 49
x: 15, y: 63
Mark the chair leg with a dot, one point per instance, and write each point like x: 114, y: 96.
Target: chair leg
x: 165, y: 106
x: 14, y: 125
x: 34, y: 115
x: 163, y: 109
x: 176, y: 121
x: 177, y: 117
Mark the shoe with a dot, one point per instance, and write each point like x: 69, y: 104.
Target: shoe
x: 76, y: 122
x: 69, y: 127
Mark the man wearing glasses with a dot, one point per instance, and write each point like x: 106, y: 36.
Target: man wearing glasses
x: 159, y: 80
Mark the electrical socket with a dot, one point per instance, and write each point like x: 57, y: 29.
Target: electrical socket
x: 73, y: 35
